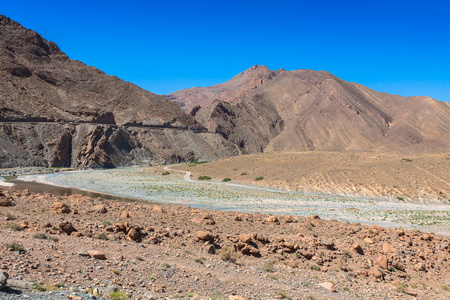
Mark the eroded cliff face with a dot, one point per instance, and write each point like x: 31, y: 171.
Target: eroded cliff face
x: 105, y: 146
x: 58, y: 112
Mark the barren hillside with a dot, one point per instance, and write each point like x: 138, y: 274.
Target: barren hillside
x: 304, y: 110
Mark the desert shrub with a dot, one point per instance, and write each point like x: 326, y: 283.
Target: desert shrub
x: 164, y: 266
x: 115, y: 271
x: 226, y: 179
x: 259, y: 178
x: 39, y: 288
x: 228, y: 254
x: 243, y: 173
x: 100, y: 236
x: 268, y: 266
x: 10, y: 216
x: 41, y: 236
x: 14, y: 246
x: 204, y: 177
x: 14, y: 226
x: 165, y: 173
x: 400, y: 198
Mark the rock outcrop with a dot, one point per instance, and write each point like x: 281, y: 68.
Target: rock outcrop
x: 58, y: 112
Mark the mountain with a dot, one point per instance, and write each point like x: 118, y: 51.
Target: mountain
x: 55, y: 111
x: 261, y: 110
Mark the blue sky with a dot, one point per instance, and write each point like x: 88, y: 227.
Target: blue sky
x: 399, y: 47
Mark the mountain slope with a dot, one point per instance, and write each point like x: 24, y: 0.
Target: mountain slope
x: 46, y: 99
x: 315, y: 110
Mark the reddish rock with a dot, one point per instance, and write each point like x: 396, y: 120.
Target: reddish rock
x: 205, y: 219
x: 389, y: 249
x: 158, y: 208
x: 382, y: 262
x: 67, y: 227
x: 271, y: 219
x: 245, y: 238
x: 368, y: 241
x: 204, y: 236
x: 100, y: 209
x: 375, y: 273
x: 133, y: 234
x: 5, y: 202
x: 328, y: 286
x: 97, y: 254
x: 60, y: 208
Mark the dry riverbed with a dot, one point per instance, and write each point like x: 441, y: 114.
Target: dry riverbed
x: 150, y: 184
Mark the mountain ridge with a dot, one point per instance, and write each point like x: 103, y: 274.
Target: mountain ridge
x: 319, y: 111
x: 55, y: 111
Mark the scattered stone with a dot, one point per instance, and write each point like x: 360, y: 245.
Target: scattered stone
x: 382, y: 262
x: 100, y: 209
x: 204, y: 236
x: 133, y: 234
x: 6, y: 202
x: 67, y: 227
x: 158, y: 208
x: 328, y: 286
x: 399, y: 266
x: 60, y: 208
x: 234, y: 297
x: 328, y: 243
x: 245, y: 238
x: 375, y: 273
x: 357, y: 248
x: 204, y: 218
x: 271, y: 219
x: 97, y: 254
x: 3, y: 279
x: 125, y: 215
x: 389, y: 249
x: 368, y: 241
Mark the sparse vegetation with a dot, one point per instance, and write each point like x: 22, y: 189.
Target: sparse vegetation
x: 228, y: 254
x: 100, y: 236
x: 14, y: 226
x: 204, y: 177
x: 400, y: 198
x: 14, y: 246
x: 10, y: 216
x: 118, y: 296
x: 117, y: 272
x: 39, y: 288
x: 164, y: 266
x: 268, y: 266
x: 259, y: 178
x: 226, y: 179
x: 243, y: 173
x: 200, y: 260
x: 165, y: 173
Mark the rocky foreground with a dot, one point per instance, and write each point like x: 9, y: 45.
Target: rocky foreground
x: 75, y: 247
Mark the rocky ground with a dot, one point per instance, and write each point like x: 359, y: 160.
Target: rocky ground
x: 412, y: 178
x: 75, y: 247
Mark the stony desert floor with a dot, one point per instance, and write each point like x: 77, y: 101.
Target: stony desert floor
x: 424, y: 178
x: 75, y: 247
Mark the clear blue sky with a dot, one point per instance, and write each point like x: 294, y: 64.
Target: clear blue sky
x: 400, y: 47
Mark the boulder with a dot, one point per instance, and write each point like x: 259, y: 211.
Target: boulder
x: 382, y: 262
x: 375, y: 273
x: 97, y: 254
x: 271, y: 219
x: 357, y: 248
x: 60, y: 208
x: 133, y: 234
x: 245, y: 238
x: 368, y: 241
x: 3, y: 279
x: 205, y: 219
x: 399, y: 266
x: 328, y: 243
x: 389, y: 249
x: 5, y: 202
x: 67, y: 227
x: 204, y: 236
x: 100, y: 209
x: 328, y: 286
x: 158, y: 208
